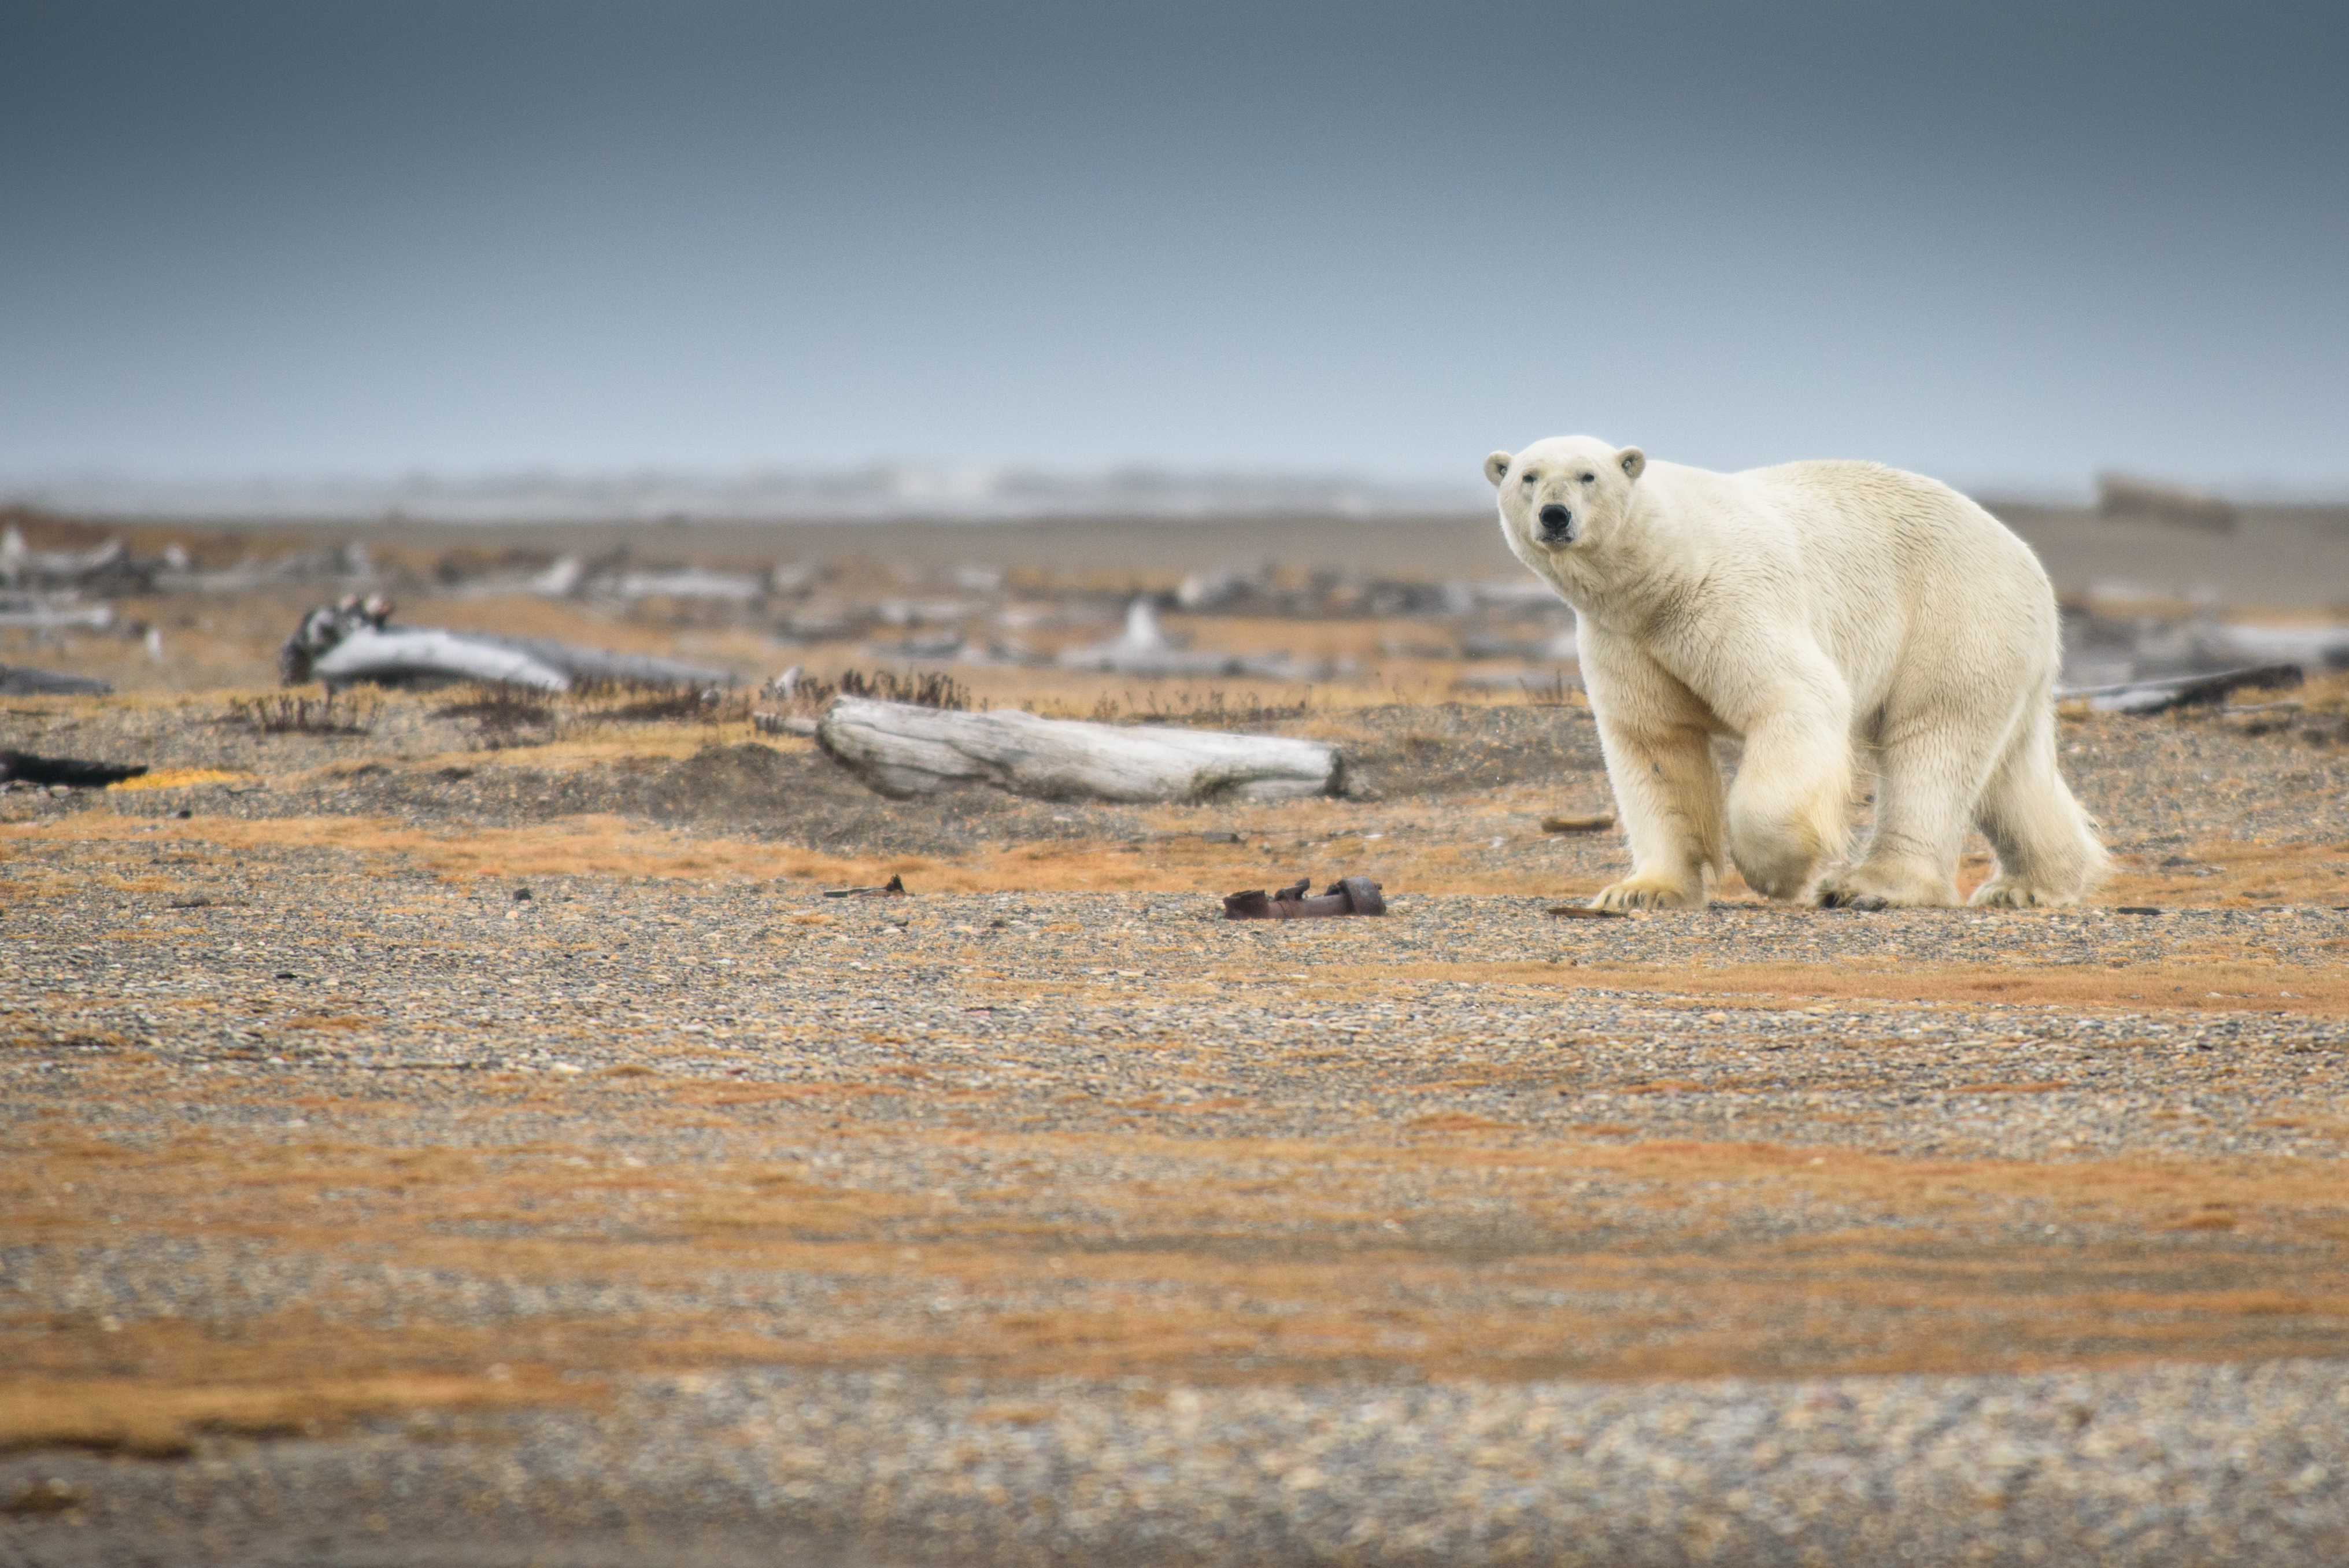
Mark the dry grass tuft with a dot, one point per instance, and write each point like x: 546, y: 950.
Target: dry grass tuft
x: 298, y: 713
x: 1211, y: 708
x: 927, y: 689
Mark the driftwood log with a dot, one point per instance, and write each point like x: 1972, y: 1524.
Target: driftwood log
x: 21, y: 681
x: 410, y: 653
x: 398, y: 655
x: 2159, y: 695
x: 901, y: 750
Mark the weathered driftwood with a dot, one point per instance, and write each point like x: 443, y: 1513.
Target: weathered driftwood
x: 32, y: 568
x: 412, y: 653
x: 22, y: 681
x: 2311, y: 647
x: 894, y: 887
x: 2155, y: 696
x: 901, y: 750
x: 353, y: 649
x: 53, y: 612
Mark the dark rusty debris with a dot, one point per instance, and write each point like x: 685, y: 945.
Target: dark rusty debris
x: 1584, y: 912
x: 24, y: 767
x: 1347, y: 895
x: 893, y: 888
x: 1599, y: 824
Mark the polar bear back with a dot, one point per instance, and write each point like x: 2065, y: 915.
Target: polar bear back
x: 1899, y: 579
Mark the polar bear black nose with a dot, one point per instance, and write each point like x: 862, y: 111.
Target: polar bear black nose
x: 1556, y: 520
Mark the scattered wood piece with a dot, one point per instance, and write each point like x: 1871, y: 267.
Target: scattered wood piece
x: 2135, y: 909
x: 1584, y: 912
x: 1347, y: 895
x: 893, y: 888
x: 22, y: 616
x: 901, y: 749
x: 1599, y: 824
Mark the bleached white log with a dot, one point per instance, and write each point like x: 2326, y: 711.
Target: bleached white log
x: 901, y: 750
x: 406, y: 652
x: 367, y: 654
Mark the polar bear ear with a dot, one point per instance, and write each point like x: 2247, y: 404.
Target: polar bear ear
x: 1496, y: 466
x: 1632, y: 462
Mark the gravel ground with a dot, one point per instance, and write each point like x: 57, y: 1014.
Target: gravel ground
x: 695, y: 1217
x: 2166, y: 1467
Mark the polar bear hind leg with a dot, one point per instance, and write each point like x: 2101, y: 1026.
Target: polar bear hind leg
x: 1927, y: 783
x: 2047, y: 848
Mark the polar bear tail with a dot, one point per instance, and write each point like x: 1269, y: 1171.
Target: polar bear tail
x: 2047, y: 847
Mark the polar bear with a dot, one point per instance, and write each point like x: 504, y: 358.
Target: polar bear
x: 1806, y: 610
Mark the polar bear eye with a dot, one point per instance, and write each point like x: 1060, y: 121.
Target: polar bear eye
x: 1531, y: 477
x: 1589, y: 479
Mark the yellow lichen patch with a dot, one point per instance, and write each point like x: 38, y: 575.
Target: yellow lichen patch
x: 182, y: 778
x: 2234, y: 872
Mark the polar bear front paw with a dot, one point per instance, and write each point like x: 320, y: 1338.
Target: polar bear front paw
x: 1649, y: 893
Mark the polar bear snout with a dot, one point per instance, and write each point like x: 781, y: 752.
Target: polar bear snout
x: 1557, y: 525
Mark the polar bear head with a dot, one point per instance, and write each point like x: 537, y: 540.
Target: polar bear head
x: 1565, y: 493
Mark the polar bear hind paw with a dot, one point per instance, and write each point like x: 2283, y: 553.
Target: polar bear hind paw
x: 2016, y: 893
x: 1649, y: 893
x: 1885, y: 887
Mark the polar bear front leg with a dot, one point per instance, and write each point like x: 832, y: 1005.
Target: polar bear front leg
x: 1668, y: 787
x: 1656, y: 735
x: 1788, y: 809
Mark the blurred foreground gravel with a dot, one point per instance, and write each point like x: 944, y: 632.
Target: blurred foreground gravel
x: 2162, y: 1467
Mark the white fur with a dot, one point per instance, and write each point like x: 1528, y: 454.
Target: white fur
x: 1806, y: 609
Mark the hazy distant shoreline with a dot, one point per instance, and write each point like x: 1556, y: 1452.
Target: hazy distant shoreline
x: 2280, y: 557
x: 997, y: 494
x: 993, y: 493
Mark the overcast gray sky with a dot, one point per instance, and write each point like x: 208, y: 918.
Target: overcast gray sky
x: 2005, y: 243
